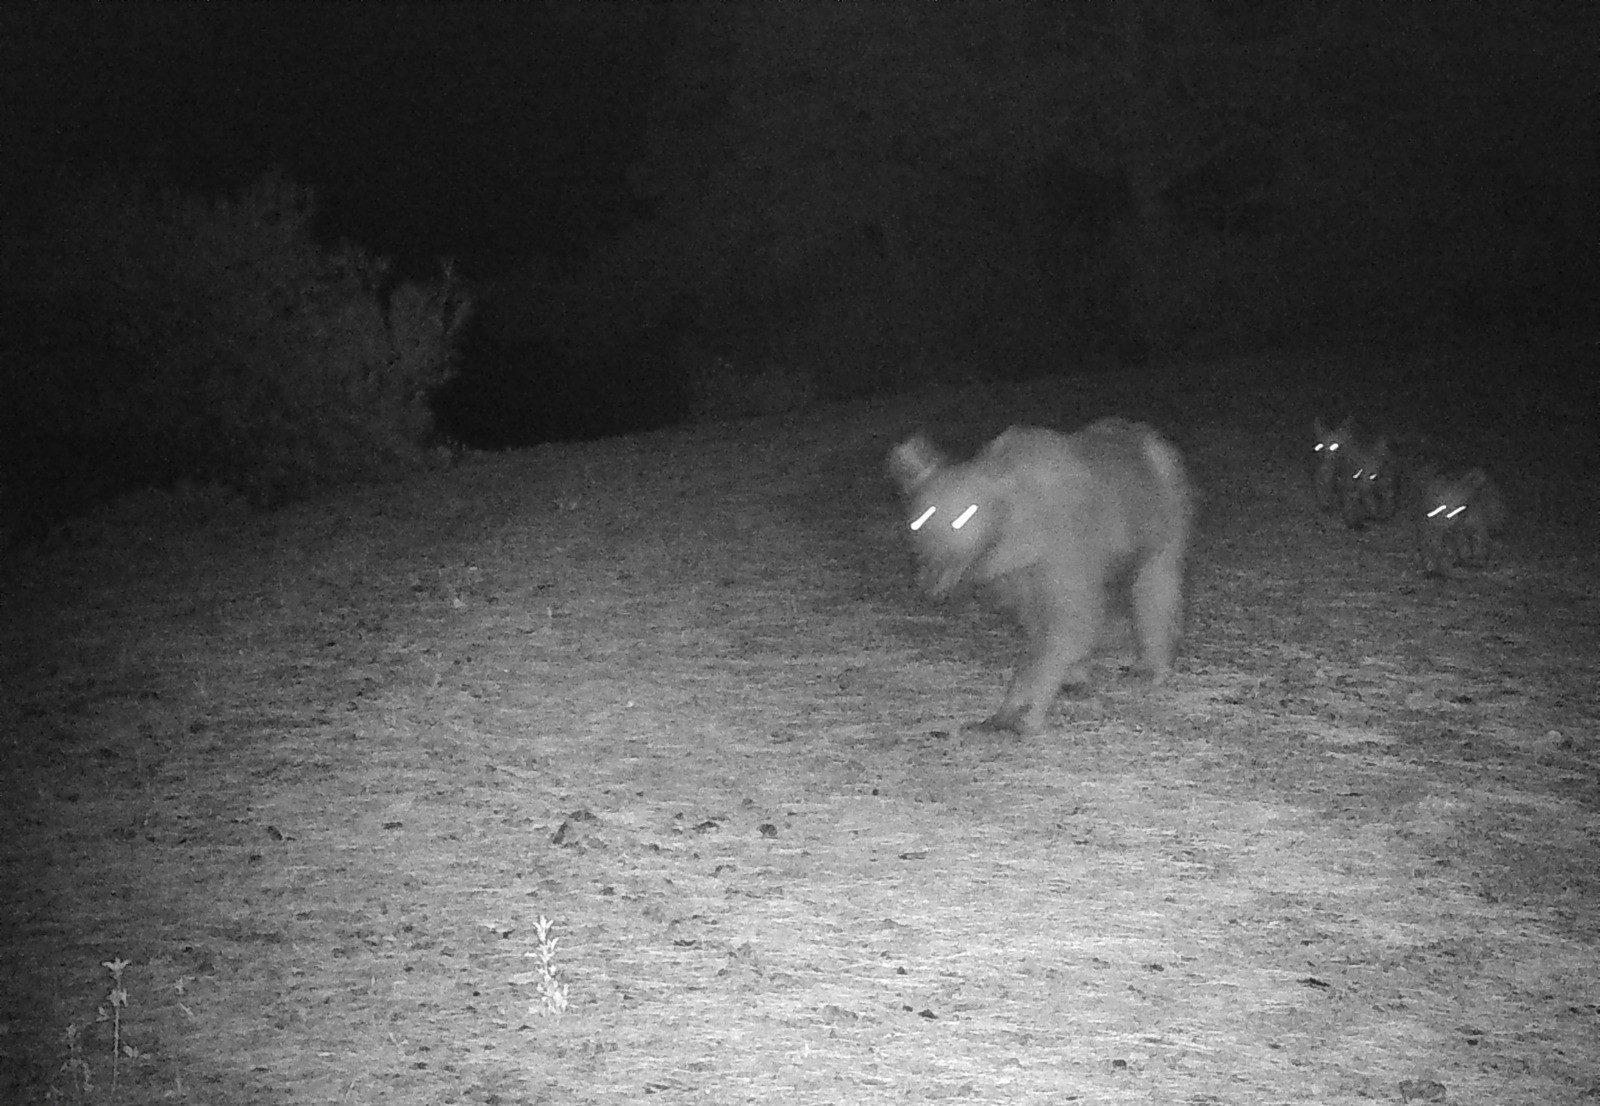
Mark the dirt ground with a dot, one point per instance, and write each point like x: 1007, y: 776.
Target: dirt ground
x: 308, y: 781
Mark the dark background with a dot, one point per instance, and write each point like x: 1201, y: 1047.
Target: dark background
x: 821, y: 200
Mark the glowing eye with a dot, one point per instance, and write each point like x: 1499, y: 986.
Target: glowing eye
x: 1372, y: 476
x: 1435, y: 512
x: 1357, y: 474
x: 963, y: 518
x: 1318, y: 448
x: 922, y: 519
x: 1333, y: 447
x: 1456, y: 511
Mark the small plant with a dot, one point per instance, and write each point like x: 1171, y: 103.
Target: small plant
x: 77, y: 1065
x: 552, y: 991
x: 118, y: 999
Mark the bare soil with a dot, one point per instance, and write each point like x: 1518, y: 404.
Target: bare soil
x: 314, y: 776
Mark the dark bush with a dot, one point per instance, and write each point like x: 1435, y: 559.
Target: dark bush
x: 173, y: 336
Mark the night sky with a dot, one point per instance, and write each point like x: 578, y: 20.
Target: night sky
x: 486, y: 133
x: 642, y: 191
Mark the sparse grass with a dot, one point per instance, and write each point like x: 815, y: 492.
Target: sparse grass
x: 287, y: 763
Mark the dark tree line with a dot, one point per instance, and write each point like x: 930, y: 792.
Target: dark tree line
x: 862, y: 194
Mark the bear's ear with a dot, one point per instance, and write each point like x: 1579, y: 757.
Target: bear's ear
x: 913, y: 461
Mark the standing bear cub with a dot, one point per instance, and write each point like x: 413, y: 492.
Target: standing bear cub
x: 1354, y: 475
x: 1371, y: 477
x: 1457, y: 517
x: 1055, y: 527
x: 1331, y: 449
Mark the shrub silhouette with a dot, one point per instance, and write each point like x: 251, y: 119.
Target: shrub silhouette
x: 175, y: 336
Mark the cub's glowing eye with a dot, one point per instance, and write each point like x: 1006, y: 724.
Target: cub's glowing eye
x: 1357, y: 474
x: 963, y: 518
x: 1333, y: 447
x: 922, y: 520
x: 1437, y: 511
x: 1318, y: 448
x: 1454, y: 511
x: 1372, y: 476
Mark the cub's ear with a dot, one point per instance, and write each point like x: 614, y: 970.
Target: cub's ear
x: 913, y: 461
